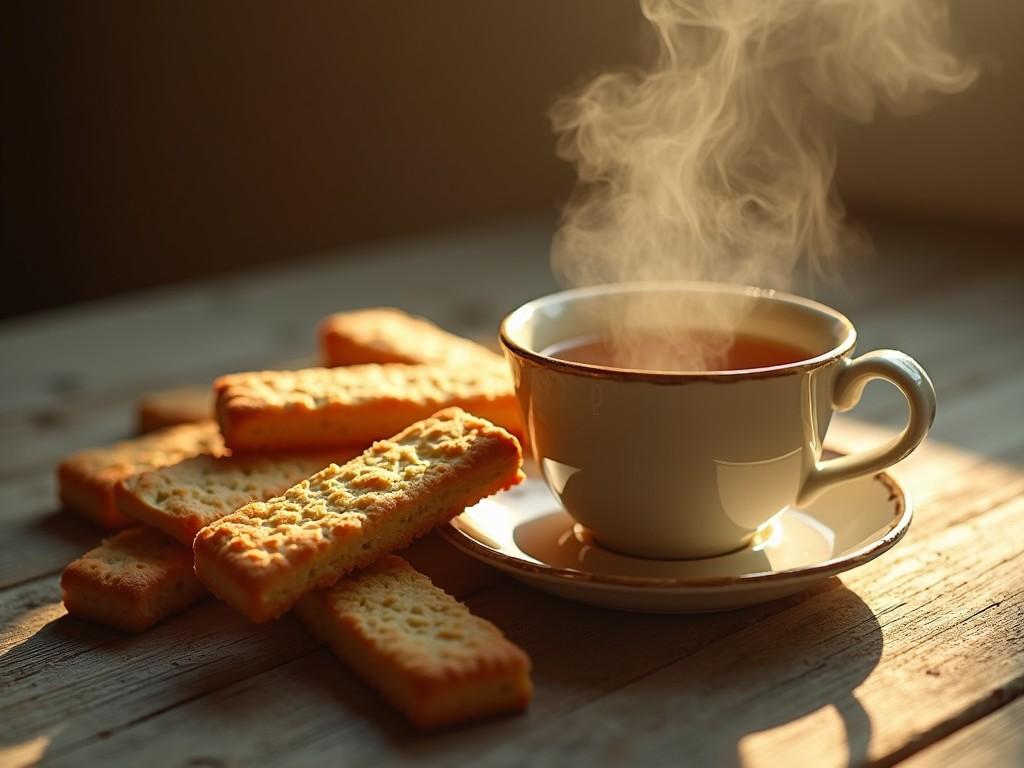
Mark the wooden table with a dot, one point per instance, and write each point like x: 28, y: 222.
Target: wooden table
x: 916, y: 657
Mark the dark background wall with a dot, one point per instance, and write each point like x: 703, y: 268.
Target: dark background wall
x: 151, y: 142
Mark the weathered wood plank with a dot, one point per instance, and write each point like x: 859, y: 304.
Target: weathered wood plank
x: 647, y: 688
x: 48, y: 660
x: 36, y: 444
x: 966, y: 336
x: 318, y: 704
x: 28, y: 502
x: 996, y: 741
x: 946, y: 484
x: 195, y: 332
x: 972, y: 434
x: 940, y: 643
x: 36, y: 537
x: 38, y: 438
x: 835, y: 675
x: 941, y: 465
x: 31, y: 439
x: 113, y: 678
x: 44, y: 437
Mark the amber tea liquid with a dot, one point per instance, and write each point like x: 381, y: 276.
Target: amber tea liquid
x: 689, y: 351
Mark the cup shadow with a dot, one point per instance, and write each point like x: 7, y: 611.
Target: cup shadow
x: 738, y: 689
x: 770, y: 666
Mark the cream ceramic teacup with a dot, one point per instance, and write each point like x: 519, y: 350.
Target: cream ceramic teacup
x: 682, y: 465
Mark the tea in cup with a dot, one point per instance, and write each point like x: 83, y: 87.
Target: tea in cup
x: 660, y: 458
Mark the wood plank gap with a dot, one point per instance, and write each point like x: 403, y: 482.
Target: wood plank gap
x: 994, y: 740
x: 997, y: 699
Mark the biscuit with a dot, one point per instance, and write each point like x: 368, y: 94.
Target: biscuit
x: 86, y: 479
x: 131, y: 581
x: 265, y: 556
x: 388, y: 335
x: 322, y: 408
x: 170, y: 407
x: 182, y: 498
x: 422, y: 649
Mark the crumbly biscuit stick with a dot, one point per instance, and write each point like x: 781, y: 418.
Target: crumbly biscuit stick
x: 264, y: 557
x: 422, y: 649
x: 389, y: 335
x: 169, y: 407
x: 86, y: 479
x: 323, y: 408
x: 131, y: 581
x: 184, y: 497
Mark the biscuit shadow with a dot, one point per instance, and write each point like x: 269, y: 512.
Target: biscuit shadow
x: 356, y: 700
x: 42, y: 545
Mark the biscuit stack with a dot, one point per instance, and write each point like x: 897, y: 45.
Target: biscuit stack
x: 296, y: 493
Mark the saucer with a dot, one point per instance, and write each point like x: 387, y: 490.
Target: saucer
x: 525, y: 533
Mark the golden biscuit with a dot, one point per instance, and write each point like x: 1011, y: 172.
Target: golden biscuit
x: 323, y: 408
x: 264, y: 557
x: 431, y: 658
x: 131, y: 581
x: 169, y: 407
x: 86, y: 479
x: 388, y: 335
x: 182, y: 498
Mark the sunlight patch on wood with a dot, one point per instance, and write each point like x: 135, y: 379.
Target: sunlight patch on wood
x: 26, y: 753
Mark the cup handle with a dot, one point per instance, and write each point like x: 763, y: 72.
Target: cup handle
x: 909, y: 377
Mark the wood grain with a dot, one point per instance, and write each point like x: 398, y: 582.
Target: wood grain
x: 36, y: 538
x: 162, y: 338
x: 48, y: 659
x: 917, y: 655
x: 837, y: 672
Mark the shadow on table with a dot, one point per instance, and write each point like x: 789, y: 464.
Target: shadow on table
x: 818, y: 662
x: 71, y: 685
x: 44, y: 544
x: 51, y: 641
x: 758, y: 669
x: 629, y: 688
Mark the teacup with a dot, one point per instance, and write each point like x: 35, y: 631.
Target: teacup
x: 683, y: 465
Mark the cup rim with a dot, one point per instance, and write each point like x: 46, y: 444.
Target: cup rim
x: 845, y: 345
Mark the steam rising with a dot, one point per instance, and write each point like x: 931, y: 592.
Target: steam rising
x: 717, y: 162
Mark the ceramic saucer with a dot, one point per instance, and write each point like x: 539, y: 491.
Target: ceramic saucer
x: 525, y: 533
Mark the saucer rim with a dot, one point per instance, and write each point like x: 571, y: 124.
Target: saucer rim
x: 899, y: 525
